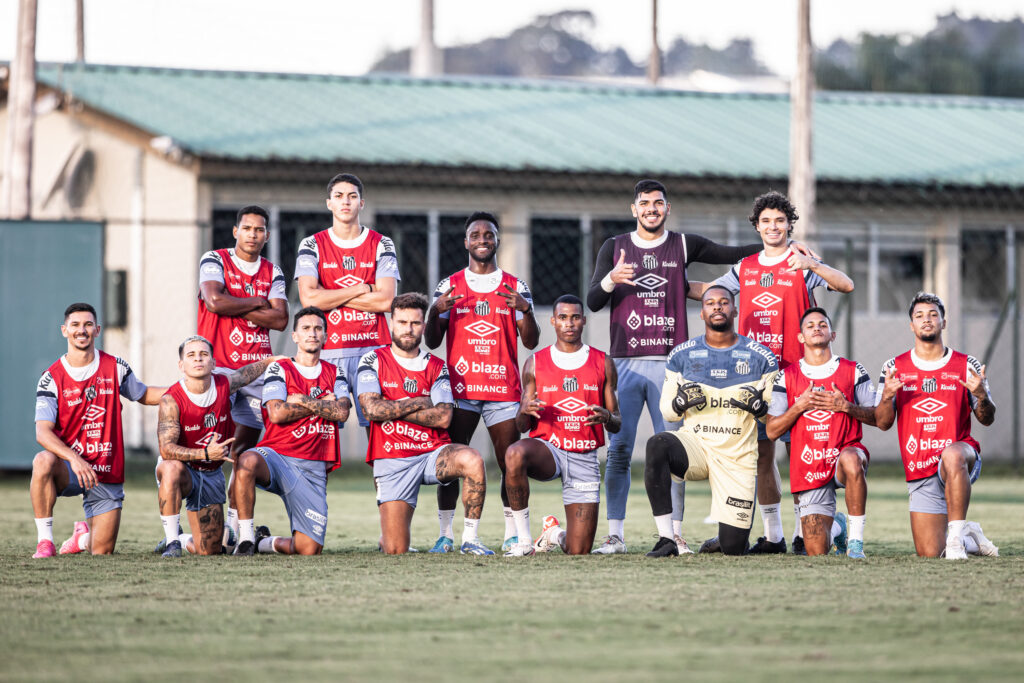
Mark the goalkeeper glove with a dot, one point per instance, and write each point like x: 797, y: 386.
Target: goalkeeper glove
x: 751, y: 401
x: 689, y: 395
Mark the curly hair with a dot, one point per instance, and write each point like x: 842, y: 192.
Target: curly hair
x: 773, y: 200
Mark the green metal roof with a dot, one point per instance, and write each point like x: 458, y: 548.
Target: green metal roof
x: 554, y: 125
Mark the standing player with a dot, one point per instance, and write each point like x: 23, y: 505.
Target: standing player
x: 406, y: 394
x: 931, y: 391
x: 303, y: 400
x: 643, y: 276
x: 241, y: 298
x: 568, y: 403
x: 720, y: 383
x: 78, y: 424
x: 195, y: 435
x: 775, y: 287
x: 824, y: 399
x: 351, y: 272
x: 474, y: 308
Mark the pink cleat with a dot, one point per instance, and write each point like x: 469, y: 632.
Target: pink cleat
x: 45, y: 548
x: 72, y: 545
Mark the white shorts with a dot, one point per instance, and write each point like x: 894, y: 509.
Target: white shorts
x: 733, y: 483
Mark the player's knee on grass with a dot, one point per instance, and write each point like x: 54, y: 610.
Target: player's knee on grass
x: 817, y: 531
x: 304, y: 545
x: 733, y: 539
x: 665, y: 457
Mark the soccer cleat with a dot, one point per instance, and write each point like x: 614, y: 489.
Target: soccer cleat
x: 985, y: 546
x: 475, y: 547
x: 550, y: 536
x: 162, y: 545
x: 229, y: 540
x: 766, y: 547
x: 710, y: 546
x: 72, y: 546
x: 245, y: 548
x: 665, y: 547
x: 521, y: 550
x: 955, y: 548
x: 173, y: 549
x: 260, y: 533
x: 839, y: 542
x: 45, y: 548
x: 508, y: 543
x: 612, y: 545
x: 681, y: 545
x: 443, y: 545
x: 798, y: 546
x: 855, y: 550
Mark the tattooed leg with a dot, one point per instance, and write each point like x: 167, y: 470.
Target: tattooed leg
x: 207, y: 529
x: 581, y: 527
x: 817, y: 533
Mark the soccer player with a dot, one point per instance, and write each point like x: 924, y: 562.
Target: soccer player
x: 351, y: 272
x: 78, y: 424
x: 195, y: 435
x: 931, y: 391
x: 719, y: 382
x: 775, y: 287
x: 480, y: 311
x: 303, y: 400
x: 241, y: 298
x: 568, y: 403
x: 406, y: 395
x: 642, y: 275
x: 824, y: 399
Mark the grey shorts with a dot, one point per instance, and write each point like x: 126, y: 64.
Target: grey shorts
x: 349, y: 365
x: 208, y: 488
x: 929, y: 494
x: 493, y: 412
x: 97, y: 500
x: 401, y: 478
x: 246, y: 403
x: 302, y: 485
x: 580, y: 473
x: 819, y: 501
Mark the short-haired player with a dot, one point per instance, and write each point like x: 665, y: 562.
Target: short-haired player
x: 304, y: 399
x: 822, y: 400
x: 484, y: 368
x: 78, y: 424
x: 930, y: 393
x: 195, y: 433
x: 568, y: 403
x: 406, y: 394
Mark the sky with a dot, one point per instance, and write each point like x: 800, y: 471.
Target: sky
x: 346, y: 37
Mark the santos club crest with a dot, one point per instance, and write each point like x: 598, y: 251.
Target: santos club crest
x: 482, y: 307
x: 90, y: 393
x: 650, y: 261
x: 410, y: 385
x: 315, y: 392
x: 570, y: 384
x: 348, y: 263
x: 209, y: 420
x: 249, y: 289
x: 929, y: 384
x: 767, y: 280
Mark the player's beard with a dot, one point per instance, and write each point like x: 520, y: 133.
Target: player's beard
x: 723, y: 326
x: 928, y: 337
x: 655, y: 228
x: 489, y: 258
x: 408, y: 344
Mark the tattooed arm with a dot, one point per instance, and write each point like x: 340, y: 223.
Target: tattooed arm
x: 247, y: 374
x: 169, y: 430
x: 281, y: 412
x: 439, y: 416
x: 334, y: 410
x: 377, y: 409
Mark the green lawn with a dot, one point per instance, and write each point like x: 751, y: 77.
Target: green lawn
x: 354, y: 614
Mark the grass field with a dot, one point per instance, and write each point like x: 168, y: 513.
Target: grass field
x: 354, y: 614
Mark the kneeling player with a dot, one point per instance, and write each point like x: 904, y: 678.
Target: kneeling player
x: 194, y: 430
x: 568, y: 402
x: 405, y: 393
x: 932, y: 390
x: 717, y: 383
x: 824, y: 399
x: 303, y: 400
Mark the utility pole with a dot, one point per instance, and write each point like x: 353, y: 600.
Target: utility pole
x: 654, y: 64
x: 16, y: 190
x: 426, y: 58
x: 801, y: 125
x: 80, y: 32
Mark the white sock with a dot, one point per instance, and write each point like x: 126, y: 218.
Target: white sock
x: 970, y: 545
x: 771, y: 517
x: 615, y: 527
x: 522, y: 525
x: 445, y: 519
x: 855, y: 527
x: 245, y: 530
x: 956, y: 528
x: 677, y: 528
x: 232, y: 520
x: 664, y: 524
x: 798, y: 530
x: 44, y: 529
x: 266, y: 545
x: 83, y: 540
x: 510, y: 523
x: 836, y: 529
x: 170, y: 523
x: 184, y: 540
x: 469, y: 529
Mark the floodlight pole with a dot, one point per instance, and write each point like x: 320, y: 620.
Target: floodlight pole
x: 425, y: 60
x: 654, y: 65
x: 16, y: 192
x: 801, y: 157
x: 80, y: 33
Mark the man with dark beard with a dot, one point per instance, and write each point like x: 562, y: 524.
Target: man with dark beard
x: 720, y: 383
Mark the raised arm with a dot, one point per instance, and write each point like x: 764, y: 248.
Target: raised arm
x: 597, y: 295
x: 247, y: 374
x: 436, y: 326
x: 836, y: 279
x: 700, y: 249
x: 977, y: 384
x: 885, y: 411
x: 527, y: 323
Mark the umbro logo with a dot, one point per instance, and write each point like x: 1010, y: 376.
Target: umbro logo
x: 482, y: 328
x: 650, y: 281
x: 571, y: 405
x: 766, y: 300
x: 929, y: 406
